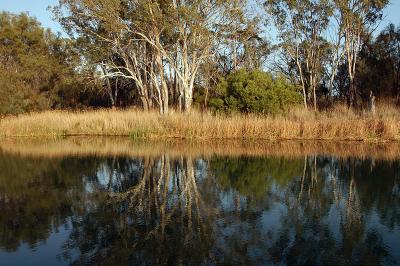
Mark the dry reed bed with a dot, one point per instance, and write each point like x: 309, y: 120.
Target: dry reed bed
x: 338, y: 124
x: 120, y: 146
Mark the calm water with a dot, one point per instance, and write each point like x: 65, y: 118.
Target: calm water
x: 190, y: 210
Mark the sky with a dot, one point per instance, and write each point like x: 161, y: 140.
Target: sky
x: 392, y: 14
x: 35, y: 8
x: 38, y: 9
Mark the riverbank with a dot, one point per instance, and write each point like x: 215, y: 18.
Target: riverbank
x: 126, y: 147
x: 338, y: 124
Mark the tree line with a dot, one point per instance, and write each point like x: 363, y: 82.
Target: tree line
x: 212, y: 54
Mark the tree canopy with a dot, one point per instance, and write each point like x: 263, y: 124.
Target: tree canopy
x: 159, y: 55
x: 35, y: 66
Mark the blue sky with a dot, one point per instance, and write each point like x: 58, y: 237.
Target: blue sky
x: 38, y: 9
x: 392, y: 12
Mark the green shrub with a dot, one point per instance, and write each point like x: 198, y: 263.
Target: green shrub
x: 36, y: 66
x: 254, y: 92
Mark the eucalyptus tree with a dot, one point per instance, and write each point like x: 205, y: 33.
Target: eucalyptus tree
x: 335, y: 51
x: 104, y: 43
x: 301, y: 26
x: 159, y: 42
x: 241, y: 43
x: 194, y: 27
x: 357, y: 20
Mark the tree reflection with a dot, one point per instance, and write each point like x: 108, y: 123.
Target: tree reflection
x: 328, y: 223
x: 160, y: 219
x: 37, y: 196
x: 185, y: 210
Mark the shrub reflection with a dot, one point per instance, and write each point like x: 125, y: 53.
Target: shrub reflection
x: 190, y: 210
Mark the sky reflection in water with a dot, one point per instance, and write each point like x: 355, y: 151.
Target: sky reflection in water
x: 192, y: 210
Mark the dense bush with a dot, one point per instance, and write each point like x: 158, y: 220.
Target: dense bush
x: 36, y: 67
x: 254, y: 92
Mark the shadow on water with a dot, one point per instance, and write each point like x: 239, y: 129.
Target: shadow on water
x: 191, y: 208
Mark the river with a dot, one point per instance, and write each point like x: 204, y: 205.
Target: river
x: 107, y: 202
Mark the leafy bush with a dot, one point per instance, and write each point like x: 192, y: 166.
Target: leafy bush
x: 254, y: 92
x: 36, y: 66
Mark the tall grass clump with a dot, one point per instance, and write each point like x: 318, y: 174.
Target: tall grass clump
x: 339, y: 123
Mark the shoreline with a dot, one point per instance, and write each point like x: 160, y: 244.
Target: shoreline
x: 199, y: 139
x: 122, y: 146
x: 298, y: 125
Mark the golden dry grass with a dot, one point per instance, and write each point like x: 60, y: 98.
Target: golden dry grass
x: 126, y: 147
x: 339, y: 123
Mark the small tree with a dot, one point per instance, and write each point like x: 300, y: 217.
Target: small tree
x: 35, y: 65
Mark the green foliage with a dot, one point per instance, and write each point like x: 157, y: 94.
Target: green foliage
x: 35, y: 65
x: 253, y: 177
x: 254, y: 91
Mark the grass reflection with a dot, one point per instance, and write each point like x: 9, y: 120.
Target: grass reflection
x: 187, y: 206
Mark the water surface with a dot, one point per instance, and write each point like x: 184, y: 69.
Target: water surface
x: 177, y: 207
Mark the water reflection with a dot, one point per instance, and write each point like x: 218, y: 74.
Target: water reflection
x: 194, y: 210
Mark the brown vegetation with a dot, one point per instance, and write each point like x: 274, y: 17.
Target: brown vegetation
x: 339, y: 123
x: 122, y: 146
